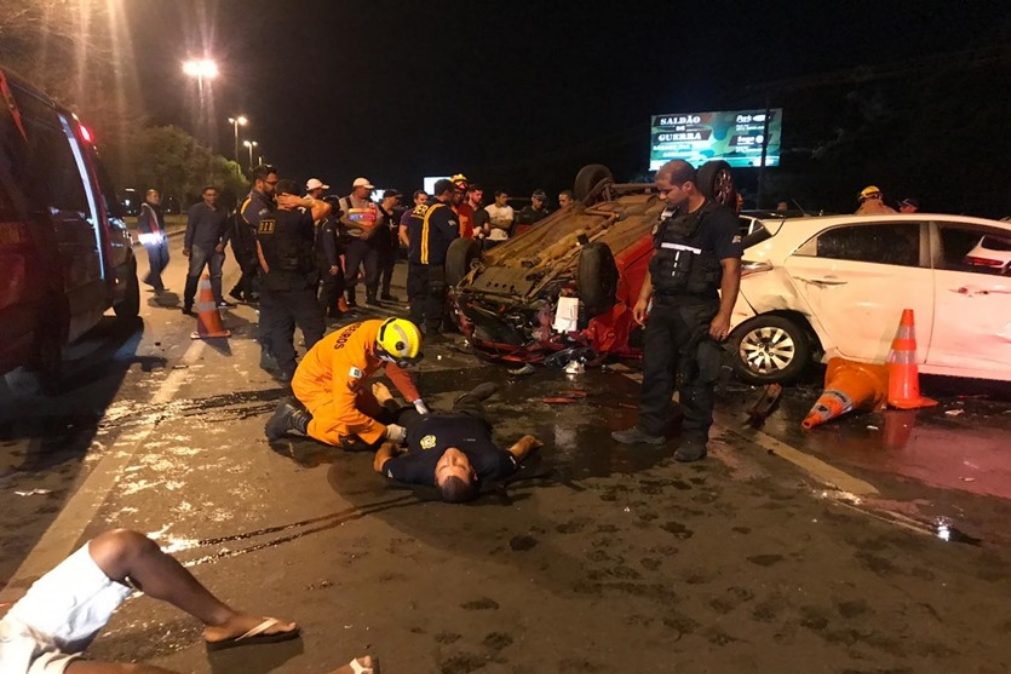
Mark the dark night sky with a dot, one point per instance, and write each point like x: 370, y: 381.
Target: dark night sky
x: 396, y: 90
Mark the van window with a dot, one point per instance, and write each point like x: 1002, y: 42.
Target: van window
x: 53, y: 162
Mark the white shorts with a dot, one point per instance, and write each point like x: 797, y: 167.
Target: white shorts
x: 59, y: 616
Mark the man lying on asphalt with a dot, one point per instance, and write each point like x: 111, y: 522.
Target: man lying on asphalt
x: 47, y: 631
x: 334, y: 406
x: 454, y: 451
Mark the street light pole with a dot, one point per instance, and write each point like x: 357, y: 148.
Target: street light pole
x: 250, y: 144
x: 236, y: 122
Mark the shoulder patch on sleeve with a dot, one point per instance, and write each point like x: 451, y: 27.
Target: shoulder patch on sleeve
x: 355, y: 373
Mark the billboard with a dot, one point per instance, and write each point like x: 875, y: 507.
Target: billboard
x: 429, y: 183
x: 736, y: 137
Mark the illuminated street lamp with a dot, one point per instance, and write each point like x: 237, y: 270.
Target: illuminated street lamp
x: 236, y: 122
x: 250, y: 144
x: 201, y: 69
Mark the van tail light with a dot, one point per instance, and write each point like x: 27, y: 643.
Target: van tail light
x: 748, y: 268
x: 982, y: 261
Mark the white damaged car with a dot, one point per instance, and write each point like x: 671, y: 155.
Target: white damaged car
x: 819, y: 287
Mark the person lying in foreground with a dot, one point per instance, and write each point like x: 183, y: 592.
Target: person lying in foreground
x: 47, y: 631
x: 454, y: 452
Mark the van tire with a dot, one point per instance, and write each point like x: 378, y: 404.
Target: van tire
x: 588, y: 178
x: 460, y: 257
x: 596, y: 278
x: 129, y: 307
x: 716, y: 181
x: 44, y: 374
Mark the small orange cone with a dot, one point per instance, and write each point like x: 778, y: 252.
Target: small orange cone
x: 903, y: 373
x: 849, y: 386
x: 208, y: 318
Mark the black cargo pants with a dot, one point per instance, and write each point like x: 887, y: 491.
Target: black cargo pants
x: 426, y: 293
x: 677, y: 351
x: 280, y: 312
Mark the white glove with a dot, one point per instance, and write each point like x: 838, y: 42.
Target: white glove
x: 396, y: 433
x: 420, y: 405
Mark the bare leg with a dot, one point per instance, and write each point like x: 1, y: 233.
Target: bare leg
x: 85, y: 667
x: 123, y: 554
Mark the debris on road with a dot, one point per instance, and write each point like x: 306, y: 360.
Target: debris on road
x: 954, y: 413
x: 566, y: 397
x: 575, y: 367
x: 34, y: 492
x: 765, y: 405
x: 523, y: 371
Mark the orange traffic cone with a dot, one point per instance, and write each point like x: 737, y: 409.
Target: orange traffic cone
x: 903, y: 374
x: 208, y: 318
x: 849, y: 386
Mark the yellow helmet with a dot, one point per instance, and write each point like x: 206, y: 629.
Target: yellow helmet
x: 399, y: 341
x: 870, y: 191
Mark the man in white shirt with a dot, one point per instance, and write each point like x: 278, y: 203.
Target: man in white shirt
x: 500, y: 219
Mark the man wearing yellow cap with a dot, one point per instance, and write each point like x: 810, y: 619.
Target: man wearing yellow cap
x: 872, y: 202
x: 337, y: 406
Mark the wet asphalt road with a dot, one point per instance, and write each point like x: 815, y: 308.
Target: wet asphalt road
x: 782, y: 552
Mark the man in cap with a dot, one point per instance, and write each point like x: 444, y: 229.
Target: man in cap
x: 536, y: 210
x: 909, y: 205
x: 362, y: 222
x: 388, y: 242
x: 430, y: 236
x: 327, y: 246
x: 872, y: 202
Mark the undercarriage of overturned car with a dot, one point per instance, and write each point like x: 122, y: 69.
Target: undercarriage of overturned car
x: 564, y: 289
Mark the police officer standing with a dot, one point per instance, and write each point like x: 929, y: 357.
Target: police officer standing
x: 287, y: 261
x: 694, y: 277
x: 431, y: 229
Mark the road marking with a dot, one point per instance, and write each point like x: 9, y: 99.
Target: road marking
x: 60, y: 539
x: 825, y: 473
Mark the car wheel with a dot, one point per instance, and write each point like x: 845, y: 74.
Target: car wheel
x: 771, y: 349
x: 129, y: 307
x: 44, y: 374
x: 716, y: 181
x: 596, y: 278
x: 459, y: 258
x: 588, y: 178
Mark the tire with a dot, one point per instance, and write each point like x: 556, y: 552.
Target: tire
x: 460, y: 257
x: 44, y: 374
x: 596, y: 278
x: 716, y: 181
x: 588, y: 178
x: 128, y: 308
x: 771, y: 349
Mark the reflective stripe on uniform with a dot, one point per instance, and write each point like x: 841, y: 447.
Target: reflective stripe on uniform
x: 678, y: 246
x: 425, y: 231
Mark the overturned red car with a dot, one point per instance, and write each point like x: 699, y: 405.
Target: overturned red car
x: 569, y: 282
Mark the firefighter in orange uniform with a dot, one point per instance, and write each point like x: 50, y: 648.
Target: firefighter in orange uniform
x: 336, y: 406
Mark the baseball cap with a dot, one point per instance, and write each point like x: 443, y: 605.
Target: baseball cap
x: 315, y: 184
x: 910, y: 201
x: 391, y: 193
x: 363, y: 182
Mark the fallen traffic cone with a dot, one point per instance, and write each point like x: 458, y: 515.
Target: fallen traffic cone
x: 903, y: 373
x: 208, y: 318
x: 849, y: 386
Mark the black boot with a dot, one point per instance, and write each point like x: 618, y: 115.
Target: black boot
x: 479, y: 393
x: 352, y: 299
x: 289, y: 416
x: 370, y: 299
x: 691, y: 448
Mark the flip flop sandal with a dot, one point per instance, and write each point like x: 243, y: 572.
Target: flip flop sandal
x: 257, y: 635
x: 358, y: 668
